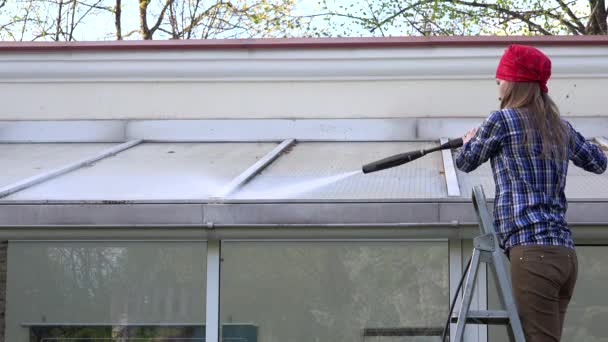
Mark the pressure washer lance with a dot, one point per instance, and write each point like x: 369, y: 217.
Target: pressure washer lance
x: 400, y: 159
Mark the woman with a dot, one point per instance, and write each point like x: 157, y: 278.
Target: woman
x: 529, y: 147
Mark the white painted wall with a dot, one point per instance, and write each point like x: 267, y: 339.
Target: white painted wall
x: 312, y: 83
x: 326, y: 99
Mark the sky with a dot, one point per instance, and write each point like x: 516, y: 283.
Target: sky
x: 101, y: 26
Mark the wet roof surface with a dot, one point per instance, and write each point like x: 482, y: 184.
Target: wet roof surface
x: 199, y: 171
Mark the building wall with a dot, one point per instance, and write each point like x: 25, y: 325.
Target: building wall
x: 301, y: 99
x: 316, y: 82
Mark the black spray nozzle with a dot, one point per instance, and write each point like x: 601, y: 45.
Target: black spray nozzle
x: 393, y: 161
x: 454, y: 143
x: 400, y: 159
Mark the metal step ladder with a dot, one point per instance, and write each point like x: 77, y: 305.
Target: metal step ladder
x: 487, y: 250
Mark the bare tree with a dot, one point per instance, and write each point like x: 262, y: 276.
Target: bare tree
x: 218, y: 18
x: 69, y: 20
x: 146, y: 31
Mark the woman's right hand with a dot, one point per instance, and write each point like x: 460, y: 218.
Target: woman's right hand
x: 469, y: 135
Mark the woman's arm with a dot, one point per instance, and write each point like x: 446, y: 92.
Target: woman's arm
x: 484, y: 144
x: 585, y: 154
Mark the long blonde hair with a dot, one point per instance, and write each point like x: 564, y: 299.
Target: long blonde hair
x: 540, y: 115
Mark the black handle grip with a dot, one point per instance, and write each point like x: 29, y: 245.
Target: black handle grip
x: 393, y: 161
x: 454, y: 143
x: 403, y: 158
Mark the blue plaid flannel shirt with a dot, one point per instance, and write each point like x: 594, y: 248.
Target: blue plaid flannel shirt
x: 530, y: 204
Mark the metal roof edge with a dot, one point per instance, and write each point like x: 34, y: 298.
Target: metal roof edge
x: 302, y: 43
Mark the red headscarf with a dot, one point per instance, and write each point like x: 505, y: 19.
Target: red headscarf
x: 522, y: 63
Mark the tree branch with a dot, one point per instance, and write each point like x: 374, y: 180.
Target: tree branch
x: 577, y: 21
x: 173, y: 21
x: 573, y: 28
x: 160, y: 17
x: 84, y: 15
x: 192, y: 16
x: 96, y: 6
x: 72, y: 23
x: 211, y: 22
x: 504, y: 11
x: 371, y: 10
x: 118, y: 20
x: 593, y: 24
x: 59, y: 13
x: 130, y: 33
x: 199, y: 17
x: 403, y: 10
x: 25, y: 20
x: 143, y: 19
x: 414, y: 26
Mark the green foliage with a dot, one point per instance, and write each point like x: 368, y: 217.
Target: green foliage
x: 463, y: 17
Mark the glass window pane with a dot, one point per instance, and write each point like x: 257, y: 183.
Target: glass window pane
x: 588, y: 310
x: 335, y: 291
x: 104, y: 284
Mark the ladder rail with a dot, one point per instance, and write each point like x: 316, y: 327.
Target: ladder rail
x: 469, y: 286
x: 486, y: 249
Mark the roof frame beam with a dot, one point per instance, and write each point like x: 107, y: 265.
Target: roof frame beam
x: 254, y: 169
x: 449, y: 172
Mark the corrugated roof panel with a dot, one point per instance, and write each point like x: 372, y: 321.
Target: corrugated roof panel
x: 21, y: 161
x: 318, y: 170
x: 153, y: 171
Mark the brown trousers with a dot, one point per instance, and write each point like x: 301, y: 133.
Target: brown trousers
x: 543, y: 280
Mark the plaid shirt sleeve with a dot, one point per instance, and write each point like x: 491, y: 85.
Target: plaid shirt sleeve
x: 484, y: 144
x: 585, y: 154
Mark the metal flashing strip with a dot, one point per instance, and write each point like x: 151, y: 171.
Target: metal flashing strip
x: 28, y: 182
x: 256, y: 130
x: 580, y: 213
x: 260, y: 44
x: 273, y: 129
x: 596, y: 233
x: 111, y: 131
x: 449, y: 170
x: 254, y: 169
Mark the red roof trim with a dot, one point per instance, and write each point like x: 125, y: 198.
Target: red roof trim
x: 304, y: 43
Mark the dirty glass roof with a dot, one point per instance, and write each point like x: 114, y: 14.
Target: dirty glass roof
x: 323, y: 170
x: 148, y: 171
x: 20, y: 161
x: 251, y: 183
x: 318, y: 171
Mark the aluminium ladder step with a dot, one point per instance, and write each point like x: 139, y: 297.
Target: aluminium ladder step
x: 485, y: 317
